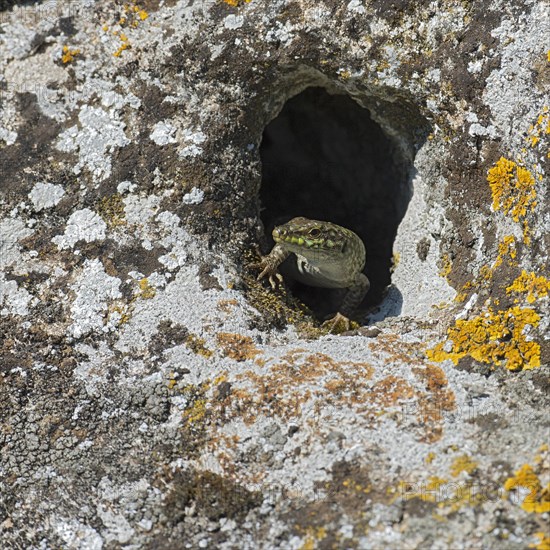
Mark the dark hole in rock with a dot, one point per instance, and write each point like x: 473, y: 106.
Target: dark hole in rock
x: 323, y: 157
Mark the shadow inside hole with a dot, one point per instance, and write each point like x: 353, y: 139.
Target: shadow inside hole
x: 324, y: 158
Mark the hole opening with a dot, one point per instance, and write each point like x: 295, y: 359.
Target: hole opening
x: 324, y: 157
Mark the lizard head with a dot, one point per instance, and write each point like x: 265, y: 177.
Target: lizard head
x: 312, y: 238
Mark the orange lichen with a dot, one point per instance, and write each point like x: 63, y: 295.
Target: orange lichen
x: 227, y: 306
x: 495, y: 337
x: 528, y: 282
x: 513, y: 188
x: 440, y: 399
x: 133, y: 15
x: 538, y: 498
x: 68, y: 54
x: 236, y: 346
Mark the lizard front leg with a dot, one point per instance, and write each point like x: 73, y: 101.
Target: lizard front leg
x: 269, y: 264
x: 341, y: 322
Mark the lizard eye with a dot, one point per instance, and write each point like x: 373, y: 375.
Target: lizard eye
x: 314, y: 232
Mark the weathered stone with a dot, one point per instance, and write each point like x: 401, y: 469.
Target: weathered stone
x: 153, y: 394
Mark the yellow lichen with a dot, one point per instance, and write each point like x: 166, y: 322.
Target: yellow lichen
x: 463, y: 464
x: 544, y: 540
x: 197, y: 403
x: 513, y: 188
x: 538, y: 498
x: 429, y: 458
x: 449, y: 495
x: 197, y: 412
x: 314, y: 535
x: 446, y: 266
x: 526, y: 233
x: 120, y: 310
x: 396, y: 258
x: 344, y: 75
x: 506, y: 248
x: 236, y: 3
x: 68, y: 54
x: 534, y: 286
x: 357, y: 487
x: 541, y: 127
x: 146, y: 291
x: 197, y: 345
x: 494, y: 337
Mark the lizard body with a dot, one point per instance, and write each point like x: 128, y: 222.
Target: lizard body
x: 326, y: 255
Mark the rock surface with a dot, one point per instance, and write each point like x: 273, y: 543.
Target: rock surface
x: 153, y: 394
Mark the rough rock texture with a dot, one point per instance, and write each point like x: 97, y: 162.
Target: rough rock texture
x: 153, y: 394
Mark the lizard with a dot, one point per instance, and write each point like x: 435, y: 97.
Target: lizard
x: 325, y: 255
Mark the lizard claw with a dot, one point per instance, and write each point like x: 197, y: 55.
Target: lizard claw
x: 274, y: 277
x: 338, y: 324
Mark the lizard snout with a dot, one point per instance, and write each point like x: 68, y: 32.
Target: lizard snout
x: 277, y: 234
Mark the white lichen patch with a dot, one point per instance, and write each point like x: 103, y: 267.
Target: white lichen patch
x: 111, y: 99
x: 510, y: 87
x: 193, y: 139
x: 126, y: 187
x: 475, y: 66
x: 282, y: 33
x: 10, y: 232
x: 100, y: 134
x: 356, y: 6
x: 13, y: 299
x: 233, y: 21
x: 16, y: 40
x: 138, y: 210
x: 45, y: 195
x: 77, y: 534
x: 93, y: 290
x: 195, y: 196
x: 163, y: 133
x: 7, y: 136
x: 83, y: 225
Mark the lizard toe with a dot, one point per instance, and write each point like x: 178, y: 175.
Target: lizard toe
x: 337, y: 324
